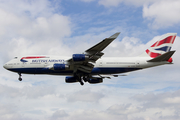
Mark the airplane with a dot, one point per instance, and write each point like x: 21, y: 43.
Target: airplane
x: 90, y: 66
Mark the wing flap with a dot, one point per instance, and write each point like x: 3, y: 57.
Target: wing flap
x: 86, y: 68
x: 95, y: 57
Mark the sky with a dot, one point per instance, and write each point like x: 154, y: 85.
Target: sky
x: 59, y: 27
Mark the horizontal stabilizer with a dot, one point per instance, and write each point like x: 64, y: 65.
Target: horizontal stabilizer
x: 164, y: 57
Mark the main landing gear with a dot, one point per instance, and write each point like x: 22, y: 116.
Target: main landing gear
x: 81, y: 82
x: 84, y: 78
x: 79, y: 79
x: 20, y: 79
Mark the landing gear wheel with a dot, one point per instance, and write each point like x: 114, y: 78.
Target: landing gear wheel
x: 20, y: 79
x: 81, y: 83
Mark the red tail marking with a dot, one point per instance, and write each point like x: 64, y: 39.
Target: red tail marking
x: 170, y: 60
x: 152, y: 54
x: 169, y: 39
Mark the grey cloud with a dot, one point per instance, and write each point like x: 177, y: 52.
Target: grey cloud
x: 95, y: 115
x: 59, y: 115
x: 27, y: 92
x: 8, y: 92
x: 36, y: 92
x: 10, y: 112
x: 124, y: 109
x: 161, y: 100
x: 85, y: 95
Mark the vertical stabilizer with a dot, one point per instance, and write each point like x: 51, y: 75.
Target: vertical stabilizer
x: 162, y: 46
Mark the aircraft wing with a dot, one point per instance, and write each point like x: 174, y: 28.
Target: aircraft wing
x: 95, y: 51
x: 82, y: 62
x: 102, y: 45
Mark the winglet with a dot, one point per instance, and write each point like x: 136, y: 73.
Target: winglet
x: 115, y: 35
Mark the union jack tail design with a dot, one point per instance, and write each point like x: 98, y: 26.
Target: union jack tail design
x: 162, y: 46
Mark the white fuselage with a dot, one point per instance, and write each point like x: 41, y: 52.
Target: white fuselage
x: 104, y: 65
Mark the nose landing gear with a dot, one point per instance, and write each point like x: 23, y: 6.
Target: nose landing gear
x: 20, y: 79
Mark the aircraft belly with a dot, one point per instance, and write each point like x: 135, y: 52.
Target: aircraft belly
x: 112, y: 70
x: 40, y: 71
x: 95, y: 71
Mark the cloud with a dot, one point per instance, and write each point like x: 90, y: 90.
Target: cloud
x: 160, y: 14
x: 161, y: 100
x: 85, y: 95
x: 128, y: 46
x: 31, y: 8
x: 157, y: 14
x: 124, y: 109
x: 26, y: 91
x: 165, y: 105
x: 59, y: 115
x: 9, y: 112
x: 116, y: 3
x: 37, y: 32
x: 163, y: 14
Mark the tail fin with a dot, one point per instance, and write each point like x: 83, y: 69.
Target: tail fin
x: 162, y: 46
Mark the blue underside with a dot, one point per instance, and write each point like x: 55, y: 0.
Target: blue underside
x: 95, y: 71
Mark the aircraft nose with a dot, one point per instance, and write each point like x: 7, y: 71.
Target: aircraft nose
x: 5, y: 66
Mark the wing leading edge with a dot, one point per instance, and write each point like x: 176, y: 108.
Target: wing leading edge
x: 102, y: 45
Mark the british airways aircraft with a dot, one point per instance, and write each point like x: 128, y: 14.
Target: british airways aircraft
x: 90, y: 66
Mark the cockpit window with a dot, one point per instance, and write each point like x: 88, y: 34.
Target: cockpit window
x: 15, y: 57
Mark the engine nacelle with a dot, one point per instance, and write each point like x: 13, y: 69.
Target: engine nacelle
x: 58, y: 67
x: 79, y: 57
x: 70, y: 79
x: 95, y: 80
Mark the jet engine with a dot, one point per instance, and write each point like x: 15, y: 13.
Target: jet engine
x: 95, y: 80
x: 70, y: 79
x: 57, y: 67
x: 79, y: 57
